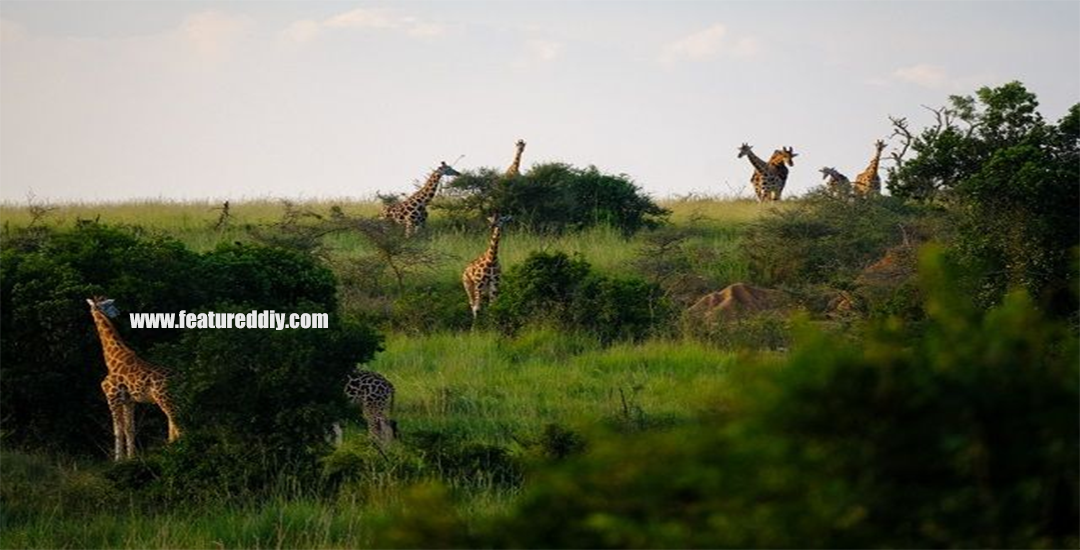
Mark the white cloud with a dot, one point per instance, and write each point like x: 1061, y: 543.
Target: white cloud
x: 708, y: 43
x: 363, y: 18
x: 213, y: 33
x: 302, y: 31
x: 923, y: 74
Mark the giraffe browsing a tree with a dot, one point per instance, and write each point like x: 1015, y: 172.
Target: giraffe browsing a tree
x: 769, y: 177
x: 869, y: 182
x: 515, y: 167
x: 481, y: 276
x: 130, y: 380
x: 412, y: 212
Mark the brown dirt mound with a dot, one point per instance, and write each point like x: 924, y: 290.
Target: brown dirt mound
x: 895, y: 267
x: 736, y: 301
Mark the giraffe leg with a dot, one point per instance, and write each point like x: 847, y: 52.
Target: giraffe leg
x: 129, y: 428
x: 166, y: 407
x: 474, y: 295
x: 116, y: 409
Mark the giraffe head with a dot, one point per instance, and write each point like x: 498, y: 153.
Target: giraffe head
x: 827, y: 172
x: 498, y: 221
x: 446, y: 170
x: 104, y: 305
x: 788, y: 155
x: 879, y: 145
x: 520, y: 144
x: 744, y: 150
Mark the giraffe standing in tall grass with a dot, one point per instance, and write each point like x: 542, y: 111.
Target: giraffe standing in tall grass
x: 481, y: 276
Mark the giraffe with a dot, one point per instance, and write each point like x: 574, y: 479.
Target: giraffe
x: 837, y: 183
x: 769, y: 177
x: 481, y: 276
x: 869, y: 182
x: 375, y: 395
x: 130, y: 380
x: 412, y: 212
x: 515, y: 167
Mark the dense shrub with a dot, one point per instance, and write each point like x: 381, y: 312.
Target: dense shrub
x: 823, y: 239
x: 51, y: 361
x: 1013, y: 182
x: 966, y: 437
x: 554, y: 288
x: 267, y: 278
x: 274, y: 393
x: 552, y: 197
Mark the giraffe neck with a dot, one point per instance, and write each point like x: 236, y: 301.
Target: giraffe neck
x: 515, y: 167
x: 108, y: 335
x: 776, y: 162
x: 759, y: 165
x: 492, y: 253
x: 873, y: 167
x: 425, y: 193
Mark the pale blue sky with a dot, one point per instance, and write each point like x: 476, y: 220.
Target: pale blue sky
x: 193, y: 100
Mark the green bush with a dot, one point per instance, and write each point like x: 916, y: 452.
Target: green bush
x: 52, y: 361
x: 50, y: 358
x: 268, y: 392
x: 552, y: 197
x: 1012, y: 181
x: 266, y: 278
x: 823, y: 239
x: 553, y: 288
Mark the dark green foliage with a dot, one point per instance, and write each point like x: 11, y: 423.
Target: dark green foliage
x: 52, y: 361
x: 553, y: 288
x: 449, y: 455
x: 279, y: 391
x: 267, y: 278
x: 553, y: 197
x: 823, y: 239
x: 558, y: 442
x: 437, y: 306
x: 1013, y: 181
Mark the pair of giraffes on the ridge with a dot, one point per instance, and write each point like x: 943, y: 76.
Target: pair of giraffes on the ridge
x: 770, y: 177
x: 132, y: 380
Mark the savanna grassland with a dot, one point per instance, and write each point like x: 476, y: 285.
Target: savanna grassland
x: 479, y: 386
x: 896, y: 370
